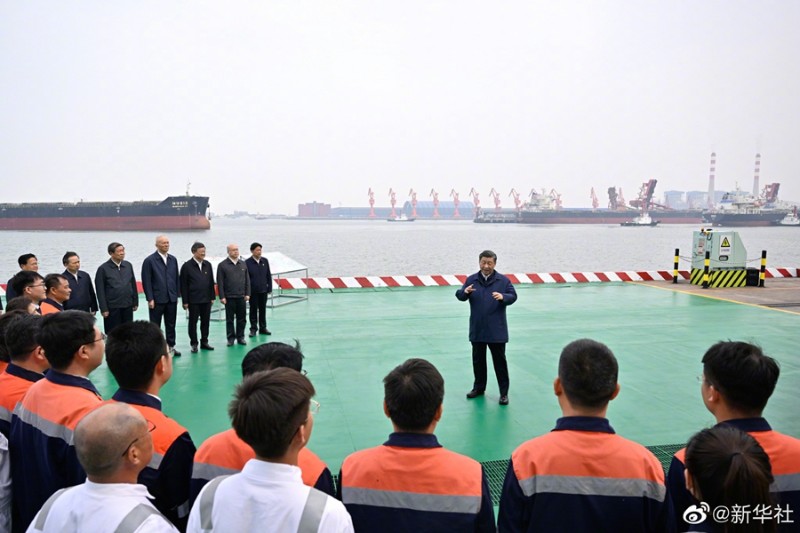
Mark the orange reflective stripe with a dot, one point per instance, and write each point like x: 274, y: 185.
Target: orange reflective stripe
x: 12, y: 389
x: 62, y: 405
x: 48, y: 309
x: 167, y: 430
x: 413, y: 470
x: 226, y: 453
x: 603, y: 455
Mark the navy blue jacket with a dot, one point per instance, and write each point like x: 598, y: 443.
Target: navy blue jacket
x: 260, y: 275
x: 487, y: 317
x: 160, y: 280
x: 116, y: 286
x: 82, y: 296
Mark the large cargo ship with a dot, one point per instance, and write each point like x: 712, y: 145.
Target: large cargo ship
x: 173, y: 213
x: 739, y: 209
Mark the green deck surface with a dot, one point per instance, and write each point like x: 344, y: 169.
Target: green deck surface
x: 353, y: 338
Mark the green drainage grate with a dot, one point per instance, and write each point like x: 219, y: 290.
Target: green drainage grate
x: 496, y: 470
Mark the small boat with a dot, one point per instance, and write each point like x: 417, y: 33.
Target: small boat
x: 401, y: 218
x: 642, y: 220
x: 791, y: 219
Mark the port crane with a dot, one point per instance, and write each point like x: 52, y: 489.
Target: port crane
x: 475, y: 200
x: 371, y: 203
x: 454, y: 196
x: 595, y: 201
x: 517, y: 202
x: 496, y: 197
x: 413, y: 194
x: 435, y: 196
x: 393, y: 201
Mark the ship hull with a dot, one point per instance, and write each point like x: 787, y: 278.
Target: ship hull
x: 565, y: 216
x: 173, y: 213
x: 122, y: 223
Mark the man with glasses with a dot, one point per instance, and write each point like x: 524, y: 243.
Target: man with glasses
x: 271, y: 412
x: 737, y: 382
x: 31, y: 285
x: 225, y: 453
x: 113, y: 444
x: 139, y: 358
x: 43, y: 458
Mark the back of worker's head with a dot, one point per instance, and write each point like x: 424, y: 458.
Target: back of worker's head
x: 728, y: 467
x: 62, y: 334
x: 133, y: 350
x: 21, y: 335
x: 5, y: 320
x: 268, y: 409
x: 742, y: 374
x: 413, y: 393
x: 588, y: 372
x: 106, y: 437
x: 272, y: 355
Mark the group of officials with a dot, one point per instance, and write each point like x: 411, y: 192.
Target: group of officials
x: 114, y: 291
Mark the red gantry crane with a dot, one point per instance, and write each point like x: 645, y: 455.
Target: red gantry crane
x: 435, y: 196
x: 517, y: 202
x: 496, y: 197
x: 413, y: 194
x: 475, y: 200
x: 454, y: 196
x: 393, y: 201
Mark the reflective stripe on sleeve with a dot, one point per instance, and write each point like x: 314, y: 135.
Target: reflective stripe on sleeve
x: 593, y: 486
x: 411, y: 500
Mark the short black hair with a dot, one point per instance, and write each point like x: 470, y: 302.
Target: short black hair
x: 268, y: 409
x: 197, y: 245
x: 53, y: 281
x: 488, y: 253
x: 133, y: 350
x: 113, y: 247
x: 6, y: 319
x: 63, y: 333
x: 255, y: 245
x: 24, y: 279
x: 67, y: 257
x: 588, y: 372
x: 19, y: 303
x: 413, y: 392
x: 741, y: 372
x: 24, y: 258
x: 20, y: 335
x: 273, y: 355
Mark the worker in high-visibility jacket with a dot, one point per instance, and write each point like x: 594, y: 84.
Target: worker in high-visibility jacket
x: 27, y: 362
x: 738, y: 380
x: 412, y: 483
x: 41, y: 448
x: 141, y: 361
x: 225, y: 453
x: 582, y: 476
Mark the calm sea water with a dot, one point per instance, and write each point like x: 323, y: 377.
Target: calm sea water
x: 367, y: 248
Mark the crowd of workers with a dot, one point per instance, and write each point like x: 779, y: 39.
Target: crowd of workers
x: 70, y: 461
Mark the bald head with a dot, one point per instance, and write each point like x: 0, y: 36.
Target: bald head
x: 233, y: 251
x: 105, y: 436
x: 162, y: 244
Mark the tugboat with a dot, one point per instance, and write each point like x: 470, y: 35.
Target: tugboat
x: 642, y: 220
x: 791, y: 219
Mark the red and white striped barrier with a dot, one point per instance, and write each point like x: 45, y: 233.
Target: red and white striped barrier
x: 369, y: 282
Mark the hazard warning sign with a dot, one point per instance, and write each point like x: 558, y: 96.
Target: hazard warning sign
x: 725, y: 246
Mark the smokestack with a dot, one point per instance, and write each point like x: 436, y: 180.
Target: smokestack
x: 711, y: 180
x: 755, y: 177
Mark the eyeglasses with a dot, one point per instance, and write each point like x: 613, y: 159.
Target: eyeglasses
x: 313, y: 407
x: 103, y: 337
x: 150, y: 428
x: 37, y: 285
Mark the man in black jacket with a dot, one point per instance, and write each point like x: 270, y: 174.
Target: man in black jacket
x: 233, y: 282
x: 115, y: 282
x: 82, y: 297
x: 161, y: 285
x: 197, y: 293
x: 260, y: 287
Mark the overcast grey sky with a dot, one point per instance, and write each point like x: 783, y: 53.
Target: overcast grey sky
x: 263, y: 105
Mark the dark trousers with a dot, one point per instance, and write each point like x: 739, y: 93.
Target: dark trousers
x: 498, y: 350
x: 235, y: 308
x: 258, y: 311
x: 116, y: 317
x: 203, y: 312
x: 170, y: 313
